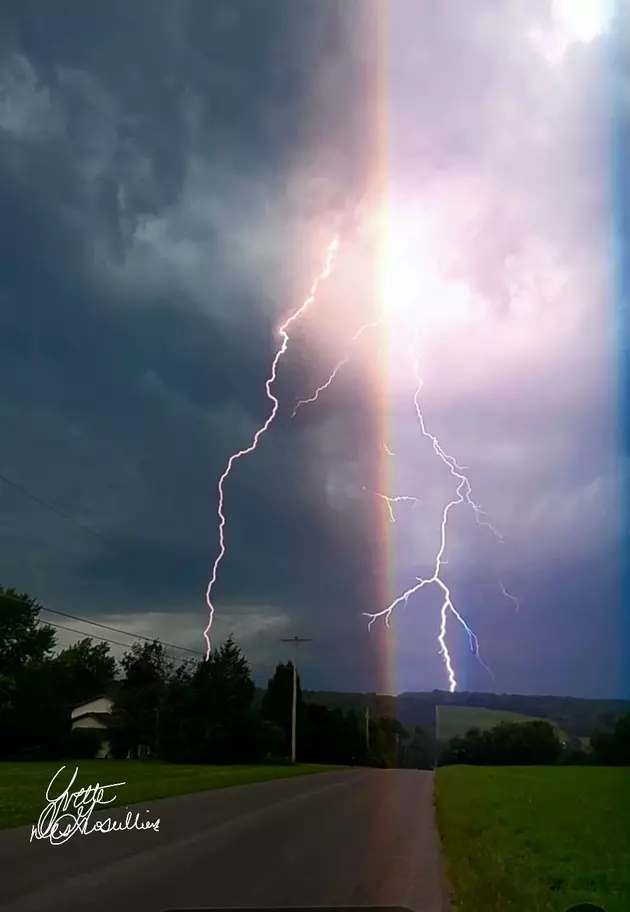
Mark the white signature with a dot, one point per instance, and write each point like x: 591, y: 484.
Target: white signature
x: 69, y: 813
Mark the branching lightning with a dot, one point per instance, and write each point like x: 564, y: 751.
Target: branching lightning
x: 463, y: 495
x: 509, y: 596
x: 390, y: 501
x: 342, y: 363
x: 283, y: 331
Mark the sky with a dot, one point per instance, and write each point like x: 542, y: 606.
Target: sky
x: 171, y: 177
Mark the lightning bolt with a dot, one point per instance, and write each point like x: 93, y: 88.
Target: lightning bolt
x: 463, y: 495
x: 338, y: 367
x: 387, y: 450
x: 508, y: 595
x: 283, y: 332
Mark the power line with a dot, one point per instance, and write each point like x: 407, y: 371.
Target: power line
x: 43, y: 503
x: 137, y: 636
x: 74, y: 617
x: 28, y: 536
x: 95, y: 636
x: 69, y: 518
x: 53, y: 544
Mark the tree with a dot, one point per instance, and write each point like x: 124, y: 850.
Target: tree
x: 386, y: 735
x: 84, y: 670
x: 209, y: 714
x: 33, y: 720
x: 277, y: 705
x: 175, y: 732
x: 22, y: 638
x: 612, y: 748
x: 420, y: 752
x: 139, y: 698
x: 535, y: 742
x: 621, y: 734
x: 355, y: 747
x: 84, y: 743
x: 224, y: 695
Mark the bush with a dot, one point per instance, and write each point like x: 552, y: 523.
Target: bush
x: 529, y: 743
x: 85, y: 743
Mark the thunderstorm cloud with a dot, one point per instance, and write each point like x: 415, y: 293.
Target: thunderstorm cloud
x: 170, y: 176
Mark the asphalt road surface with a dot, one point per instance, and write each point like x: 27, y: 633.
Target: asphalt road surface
x: 351, y: 837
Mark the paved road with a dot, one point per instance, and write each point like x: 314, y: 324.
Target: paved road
x: 351, y: 837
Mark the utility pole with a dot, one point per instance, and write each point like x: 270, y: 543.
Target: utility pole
x: 296, y: 642
x: 367, y: 728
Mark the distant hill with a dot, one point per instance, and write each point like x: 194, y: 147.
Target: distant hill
x: 573, y: 715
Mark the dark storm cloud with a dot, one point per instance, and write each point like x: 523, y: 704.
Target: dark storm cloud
x: 122, y: 398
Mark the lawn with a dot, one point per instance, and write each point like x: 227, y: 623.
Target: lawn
x: 458, y: 720
x: 535, y: 839
x: 23, y: 785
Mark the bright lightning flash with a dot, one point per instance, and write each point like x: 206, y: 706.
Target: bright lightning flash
x: 283, y: 331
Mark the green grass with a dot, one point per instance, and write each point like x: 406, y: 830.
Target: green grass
x: 535, y: 839
x: 23, y: 785
x: 458, y: 720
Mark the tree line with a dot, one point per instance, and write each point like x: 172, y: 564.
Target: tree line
x: 183, y: 712
x: 537, y: 742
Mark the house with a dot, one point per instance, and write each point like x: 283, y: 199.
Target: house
x: 96, y: 714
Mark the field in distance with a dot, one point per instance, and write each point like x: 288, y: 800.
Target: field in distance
x: 458, y: 720
x: 23, y: 785
x: 535, y: 838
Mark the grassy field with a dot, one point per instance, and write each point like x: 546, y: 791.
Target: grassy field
x: 23, y: 785
x: 535, y: 839
x: 457, y: 720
